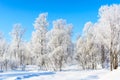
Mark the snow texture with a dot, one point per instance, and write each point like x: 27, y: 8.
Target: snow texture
x: 71, y: 73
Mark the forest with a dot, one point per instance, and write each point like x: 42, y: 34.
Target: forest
x: 52, y: 50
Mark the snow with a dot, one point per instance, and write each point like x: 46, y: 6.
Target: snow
x: 72, y: 75
x: 113, y: 75
x: 18, y: 75
x: 69, y: 73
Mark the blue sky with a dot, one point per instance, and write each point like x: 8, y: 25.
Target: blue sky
x: 77, y: 12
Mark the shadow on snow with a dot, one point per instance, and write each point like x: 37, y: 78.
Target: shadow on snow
x: 20, y: 76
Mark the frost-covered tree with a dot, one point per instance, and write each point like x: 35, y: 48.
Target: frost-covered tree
x: 108, y: 30
x: 86, y: 48
x: 29, y: 54
x: 103, y: 48
x: 59, y: 44
x: 4, y: 60
x: 16, y: 46
x: 38, y: 40
x: 103, y: 38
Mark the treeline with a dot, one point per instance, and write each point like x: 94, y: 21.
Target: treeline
x: 99, y: 45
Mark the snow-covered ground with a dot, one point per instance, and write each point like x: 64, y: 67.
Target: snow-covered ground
x: 72, y: 73
x: 112, y: 75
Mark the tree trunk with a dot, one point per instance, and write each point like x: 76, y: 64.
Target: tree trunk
x: 102, y: 56
x: 111, y: 58
x: 6, y: 62
x: 115, y: 60
x: 60, y: 63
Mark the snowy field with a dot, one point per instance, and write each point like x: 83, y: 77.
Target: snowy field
x: 69, y: 74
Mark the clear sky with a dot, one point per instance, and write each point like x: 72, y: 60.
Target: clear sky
x: 77, y: 12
